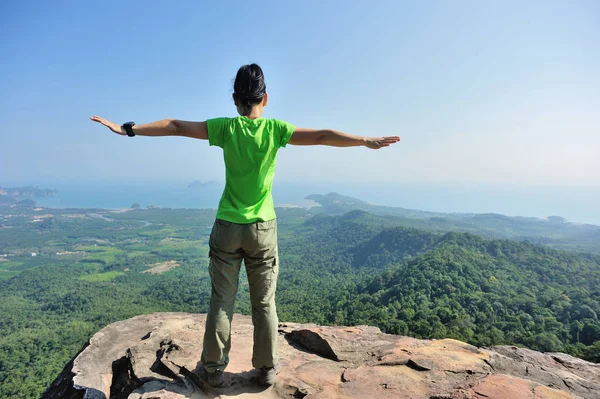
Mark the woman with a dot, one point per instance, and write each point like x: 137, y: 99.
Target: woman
x: 245, y: 227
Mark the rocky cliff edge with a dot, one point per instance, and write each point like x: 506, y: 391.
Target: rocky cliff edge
x: 156, y: 356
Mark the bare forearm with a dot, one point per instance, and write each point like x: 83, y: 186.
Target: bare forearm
x: 165, y: 127
x: 336, y: 138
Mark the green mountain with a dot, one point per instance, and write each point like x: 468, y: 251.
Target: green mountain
x: 90, y: 269
x: 484, y: 292
x: 553, y: 231
x: 432, y: 285
x: 337, y: 204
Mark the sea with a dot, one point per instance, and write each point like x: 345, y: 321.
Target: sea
x: 576, y: 204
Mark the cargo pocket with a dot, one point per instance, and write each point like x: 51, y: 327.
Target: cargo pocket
x: 263, y: 283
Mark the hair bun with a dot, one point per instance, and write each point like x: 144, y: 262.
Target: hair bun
x: 249, y: 87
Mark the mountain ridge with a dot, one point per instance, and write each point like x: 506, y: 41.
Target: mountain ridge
x: 554, y: 231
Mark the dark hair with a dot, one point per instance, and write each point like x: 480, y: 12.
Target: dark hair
x: 249, y: 87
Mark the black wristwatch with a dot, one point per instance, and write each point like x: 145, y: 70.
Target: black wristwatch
x: 128, y: 126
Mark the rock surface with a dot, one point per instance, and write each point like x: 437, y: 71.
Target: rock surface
x: 156, y: 357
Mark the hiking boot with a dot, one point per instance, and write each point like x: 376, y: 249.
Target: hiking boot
x: 216, y: 379
x: 267, y: 375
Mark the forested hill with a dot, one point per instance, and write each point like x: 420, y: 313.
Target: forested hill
x: 66, y: 273
x: 554, y: 231
x: 433, y: 285
x: 488, y: 292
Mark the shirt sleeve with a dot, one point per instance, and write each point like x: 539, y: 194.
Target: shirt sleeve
x: 285, y: 132
x: 216, y: 131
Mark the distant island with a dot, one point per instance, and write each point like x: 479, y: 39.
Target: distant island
x: 23, y: 195
x: 201, y: 185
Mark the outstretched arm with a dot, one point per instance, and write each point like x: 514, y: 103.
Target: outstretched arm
x: 165, y: 127
x: 303, y: 136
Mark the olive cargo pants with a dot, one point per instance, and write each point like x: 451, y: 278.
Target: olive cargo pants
x: 256, y: 245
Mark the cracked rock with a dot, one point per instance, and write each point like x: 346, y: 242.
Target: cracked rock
x: 157, y: 356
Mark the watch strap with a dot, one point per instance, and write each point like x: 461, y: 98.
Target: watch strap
x: 128, y: 127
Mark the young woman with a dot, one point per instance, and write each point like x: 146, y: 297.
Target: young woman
x: 245, y: 227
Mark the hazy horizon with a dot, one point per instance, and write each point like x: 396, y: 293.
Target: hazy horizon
x: 576, y: 204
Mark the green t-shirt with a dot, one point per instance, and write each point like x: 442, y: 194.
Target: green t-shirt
x: 249, y: 149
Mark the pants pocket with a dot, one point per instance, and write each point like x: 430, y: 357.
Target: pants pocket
x: 224, y: 236
x: 263, y: 282
x: 266, y: 233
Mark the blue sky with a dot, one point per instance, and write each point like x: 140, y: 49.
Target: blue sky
x: 501, y: 92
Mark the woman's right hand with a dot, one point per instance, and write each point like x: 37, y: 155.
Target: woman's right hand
x: 115, y: 127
